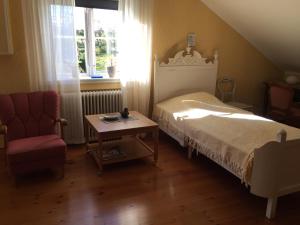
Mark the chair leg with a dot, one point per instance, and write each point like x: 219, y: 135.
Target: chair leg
x: 12, y: 177
x: 271, y: 208
x: 59, y: 171
x: 62, y: 171
x: 15, y: 181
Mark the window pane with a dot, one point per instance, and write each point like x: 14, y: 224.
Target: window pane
x: 111, y: 32
x: 79, y: 19
x: 99, y: 33
x: 80, y: 33
x: 106, y: 24
x: 81, y: 55
x: 113, y: 47
x: 79, y: 22
x: 63, y: 31
x: 106, y: 19
x: 101, y: 54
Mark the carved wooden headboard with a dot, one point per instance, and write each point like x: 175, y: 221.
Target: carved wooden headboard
x: 186, y: 71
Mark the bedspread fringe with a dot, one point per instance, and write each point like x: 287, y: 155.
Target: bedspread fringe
x: 242, y: 173
x: 163, y: 121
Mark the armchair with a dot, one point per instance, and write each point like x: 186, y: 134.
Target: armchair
x: 281, y: 106
x: 280, y: 102
x: 29, y: 126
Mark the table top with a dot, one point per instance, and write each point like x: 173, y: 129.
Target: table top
x: 139, y: 123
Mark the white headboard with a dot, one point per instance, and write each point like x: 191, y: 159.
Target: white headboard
x: 184, y: 72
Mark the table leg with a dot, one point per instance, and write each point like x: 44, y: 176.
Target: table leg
x: 86, y: 134
x: 99, y: 154
x: 156, y: 140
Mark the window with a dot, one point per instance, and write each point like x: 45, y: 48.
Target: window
x: 96, y: 35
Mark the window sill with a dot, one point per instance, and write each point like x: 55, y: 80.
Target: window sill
x: 87, y: 80
x: 91, y: 84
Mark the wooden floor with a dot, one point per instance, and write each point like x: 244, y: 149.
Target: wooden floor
x: 177, y: 191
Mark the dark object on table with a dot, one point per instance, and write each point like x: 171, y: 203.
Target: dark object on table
x: 125, y: 113
x: 111, y: 117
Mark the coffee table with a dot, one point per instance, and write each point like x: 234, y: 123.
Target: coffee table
x: 121, y: 136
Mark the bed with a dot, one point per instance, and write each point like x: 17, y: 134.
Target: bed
x: 264, y: 154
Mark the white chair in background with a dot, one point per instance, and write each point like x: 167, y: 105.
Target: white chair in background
x: 226, y: 87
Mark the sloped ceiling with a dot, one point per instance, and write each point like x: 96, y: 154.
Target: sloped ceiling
x: 272, y: 26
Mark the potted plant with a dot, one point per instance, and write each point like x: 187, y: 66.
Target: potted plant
x: 111, y: 69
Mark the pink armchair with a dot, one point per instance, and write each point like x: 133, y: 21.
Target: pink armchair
x: 29, y: 125
x: 280, y: 101
x: 281, y: 106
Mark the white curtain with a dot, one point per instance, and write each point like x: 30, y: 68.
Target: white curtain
x: 52, y: 57
x: 135, y: 53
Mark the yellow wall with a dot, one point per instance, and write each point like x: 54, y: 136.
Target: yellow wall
x: 13, y: 69
x: 173, y: 19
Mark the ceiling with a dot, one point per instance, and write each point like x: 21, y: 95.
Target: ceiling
x: 273, y: 27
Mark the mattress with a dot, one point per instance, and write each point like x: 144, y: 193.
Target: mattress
x: 225, y: 134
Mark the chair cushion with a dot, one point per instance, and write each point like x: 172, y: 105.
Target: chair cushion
x: 35, y: 149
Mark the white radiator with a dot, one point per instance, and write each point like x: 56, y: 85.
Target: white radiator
x: 99, y: 102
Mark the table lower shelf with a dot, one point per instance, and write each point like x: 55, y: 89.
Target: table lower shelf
x: 130, y: 147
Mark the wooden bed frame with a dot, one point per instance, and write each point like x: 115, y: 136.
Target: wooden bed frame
x: 276, y: 165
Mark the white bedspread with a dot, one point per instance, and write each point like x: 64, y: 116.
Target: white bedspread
x: 225, y: 134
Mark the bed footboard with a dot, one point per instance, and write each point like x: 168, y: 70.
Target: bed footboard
x: 276, y: 171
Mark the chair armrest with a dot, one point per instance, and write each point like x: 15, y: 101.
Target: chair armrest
x: 3, y: 132
x: 62, y: 122
x: 3, y: 129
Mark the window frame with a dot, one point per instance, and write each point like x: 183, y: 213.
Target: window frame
x: 90, y: 50
x: 100, y: 4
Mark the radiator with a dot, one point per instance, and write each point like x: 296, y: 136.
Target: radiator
x: 99, y: 102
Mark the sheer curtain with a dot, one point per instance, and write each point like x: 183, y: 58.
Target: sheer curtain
x: 135, y: 46
x: 52, y: 57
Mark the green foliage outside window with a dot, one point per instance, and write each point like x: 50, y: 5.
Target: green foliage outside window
x: 81, y: 55
x: 105, y: 49
x: 101, y: 54
x: 80, y: 33
x: 100, y: 33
